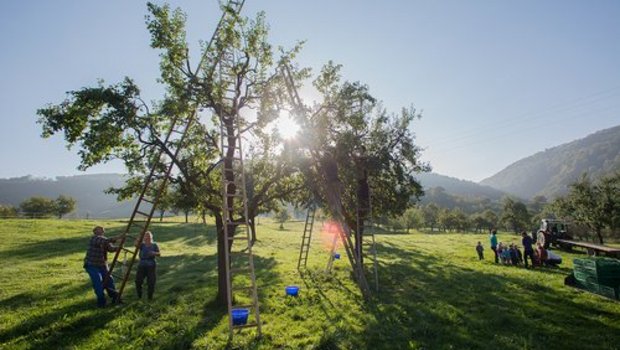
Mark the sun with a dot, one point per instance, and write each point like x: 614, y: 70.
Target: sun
x: 286, y: 126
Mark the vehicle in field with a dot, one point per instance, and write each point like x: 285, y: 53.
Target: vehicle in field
x: 552, y: 230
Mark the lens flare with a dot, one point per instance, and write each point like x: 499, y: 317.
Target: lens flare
x: 330, y: 232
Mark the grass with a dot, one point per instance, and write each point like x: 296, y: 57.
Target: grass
x: 435, y: 294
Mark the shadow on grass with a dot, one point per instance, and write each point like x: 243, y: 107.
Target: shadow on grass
x: 427, y: 303
x: 186, y: 283
x: 190, y: 234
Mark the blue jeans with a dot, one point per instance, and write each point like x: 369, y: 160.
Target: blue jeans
x: 97, y: 274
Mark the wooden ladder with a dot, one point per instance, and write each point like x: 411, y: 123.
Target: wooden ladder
x: 306, y: 238
x: 242, y: 291
x: 152, y: 190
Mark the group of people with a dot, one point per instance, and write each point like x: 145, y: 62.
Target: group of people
x: 95, y: 264
x: 510, y: 254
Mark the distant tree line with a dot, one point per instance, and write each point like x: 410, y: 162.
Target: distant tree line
x: 591, y: 204
x: 40, y: 207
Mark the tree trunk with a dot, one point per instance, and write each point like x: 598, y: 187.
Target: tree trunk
x: 161, y: 215
x: 599, y: 235
x: 186, y: 216
x: 252, y: 231
x: 359, y: 233
x: 222, y: 286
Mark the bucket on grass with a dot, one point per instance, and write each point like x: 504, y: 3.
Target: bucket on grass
x: 337, y: 256
x: 292, y: 290
x: 239, y: 316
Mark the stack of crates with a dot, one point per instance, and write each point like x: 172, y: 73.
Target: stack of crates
x: 598, y: 275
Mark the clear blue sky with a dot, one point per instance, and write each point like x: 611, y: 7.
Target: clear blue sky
x: 497, y: 80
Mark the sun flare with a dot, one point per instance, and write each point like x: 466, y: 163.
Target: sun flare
x: 286, y: 126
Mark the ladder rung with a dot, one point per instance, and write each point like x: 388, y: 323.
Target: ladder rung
x: 245, y: 325
x: 231, y: 195
x: 250, y: 288
x: 241, y: 252
x: 141, y: 213
x: 148, y: 200
x: 240, y: 269
x: 238, y: 238
x: 243, y: 306
x: 177, y: 131
x: 127, y: 250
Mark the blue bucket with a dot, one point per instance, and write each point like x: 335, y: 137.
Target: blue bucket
x: 337, y: 256
x: 292, y: 290
x: 239, y: 316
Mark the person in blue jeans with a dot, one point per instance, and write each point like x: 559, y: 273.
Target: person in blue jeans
x: 95, y: 264
x: 493, y: 239
x: 147, y: 265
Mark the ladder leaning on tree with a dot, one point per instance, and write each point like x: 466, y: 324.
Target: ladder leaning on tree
x: 333, y: 194
x: 148, y: 199
x: 306, y: 238
x: 152, y: 190
x: 240, y: 274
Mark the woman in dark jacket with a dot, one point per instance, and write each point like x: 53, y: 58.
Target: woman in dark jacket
x: 147, y: 265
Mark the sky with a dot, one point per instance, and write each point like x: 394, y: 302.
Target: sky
x: 496, y: 81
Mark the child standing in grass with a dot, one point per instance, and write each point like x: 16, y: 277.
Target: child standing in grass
x: 480, y: 250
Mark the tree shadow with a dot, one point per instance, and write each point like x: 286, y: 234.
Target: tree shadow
x: 431, y: 304
x: 191, y: 234
x: 183, y: 280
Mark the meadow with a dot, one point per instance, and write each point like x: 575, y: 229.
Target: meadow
x: 433, y: 294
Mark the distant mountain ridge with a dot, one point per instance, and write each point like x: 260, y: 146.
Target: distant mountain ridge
x: 86, y: 189
x: 550, y: 172
x: 463, y: 188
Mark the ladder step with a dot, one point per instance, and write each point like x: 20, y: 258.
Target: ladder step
x: 240, y: 269
x: 238, y: 238
x: 127, y: 250
x: 247, y: 306
x: 148, y: 200
x: 234, y: 195
x: 177, y: 131
x: 245, y: 325
x: 143, y: 214
x: 250, y: 288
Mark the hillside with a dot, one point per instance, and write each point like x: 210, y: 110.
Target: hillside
x: 549, y: 172
x: 86, y: 189
x: 458, y: 187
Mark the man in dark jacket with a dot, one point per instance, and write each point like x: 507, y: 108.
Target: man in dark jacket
x: 95, y: 264
x: 528, y: 250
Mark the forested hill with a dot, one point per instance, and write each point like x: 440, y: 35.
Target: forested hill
x: 454, y: 186
x: 86, y: 189
x: 549, y: 172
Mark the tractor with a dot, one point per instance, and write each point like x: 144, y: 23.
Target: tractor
x: 551, y: 231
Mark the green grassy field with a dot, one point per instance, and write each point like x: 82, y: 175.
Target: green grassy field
x: 434, y: 294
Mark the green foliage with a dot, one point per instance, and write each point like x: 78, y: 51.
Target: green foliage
x: 349, y: 138
x: 7, y: 211
x: 434, y: 294
x: 594, y: 204
x: 63, y: 205
x: 37, y: 207
x: 281, y: 216
x: 42, y: 207
x: 515, y: 216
